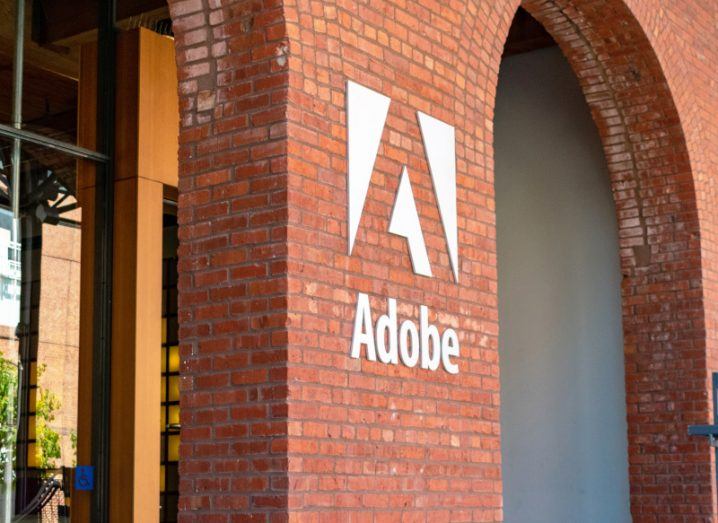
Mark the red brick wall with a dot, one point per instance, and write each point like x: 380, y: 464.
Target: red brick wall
x: 277, y: 419
x: 232, y: 258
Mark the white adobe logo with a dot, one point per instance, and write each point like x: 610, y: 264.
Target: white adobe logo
x: 366, y: 116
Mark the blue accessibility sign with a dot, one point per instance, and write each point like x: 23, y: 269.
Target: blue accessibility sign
x: 84, y: 477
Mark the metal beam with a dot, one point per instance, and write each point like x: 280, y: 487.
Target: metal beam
x: 58, y: 145
x: 17, y: 66
x: 703, y: 430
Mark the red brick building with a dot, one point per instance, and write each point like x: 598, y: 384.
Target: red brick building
x: 278, y: 422
x: 415, y: 260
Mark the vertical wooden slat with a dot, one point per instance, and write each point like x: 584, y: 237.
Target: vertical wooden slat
x: 147, y: 127
x: 158, y: 126
x: 136, y: 355
x: 145, y: 159
x: 86, y: 137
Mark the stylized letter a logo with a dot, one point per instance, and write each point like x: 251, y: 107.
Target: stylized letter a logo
x: 366, y: 115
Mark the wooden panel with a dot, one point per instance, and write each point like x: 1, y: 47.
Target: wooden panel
x: 127, y: 113
x: 87, y: 108
x: 147, y: 128
x: 148, y: 108
x: 142, y: 83
x: 148, y: 340
x: 158, y: 109
x: 136, y: 355
x: 87, y: 113
x: 81, y: 499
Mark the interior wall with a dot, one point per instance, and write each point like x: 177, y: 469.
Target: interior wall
x: 563, y: 413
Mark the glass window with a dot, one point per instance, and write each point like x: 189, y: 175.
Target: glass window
x: 41, y: 265
x: 40, y: 249
x: 169, y: 411
x: 39, y: 330
x: 9, y: 277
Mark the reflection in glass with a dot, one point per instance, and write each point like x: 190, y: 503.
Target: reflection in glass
x: 39, y: 334
x: 9, y: 272
x: 40, y: 273
x: 10, y: 288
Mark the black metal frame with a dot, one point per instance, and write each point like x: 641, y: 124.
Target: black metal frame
x: 168, y: 496
x: 24, y: 135
x: 104, y: 217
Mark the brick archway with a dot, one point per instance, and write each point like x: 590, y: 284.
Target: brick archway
x: 274, y: 420
x: 659, y: 238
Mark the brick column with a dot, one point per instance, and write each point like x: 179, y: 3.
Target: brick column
x: 232, y: 269
x: 278, y: 420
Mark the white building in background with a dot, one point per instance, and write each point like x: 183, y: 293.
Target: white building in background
x: 9, y: 273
